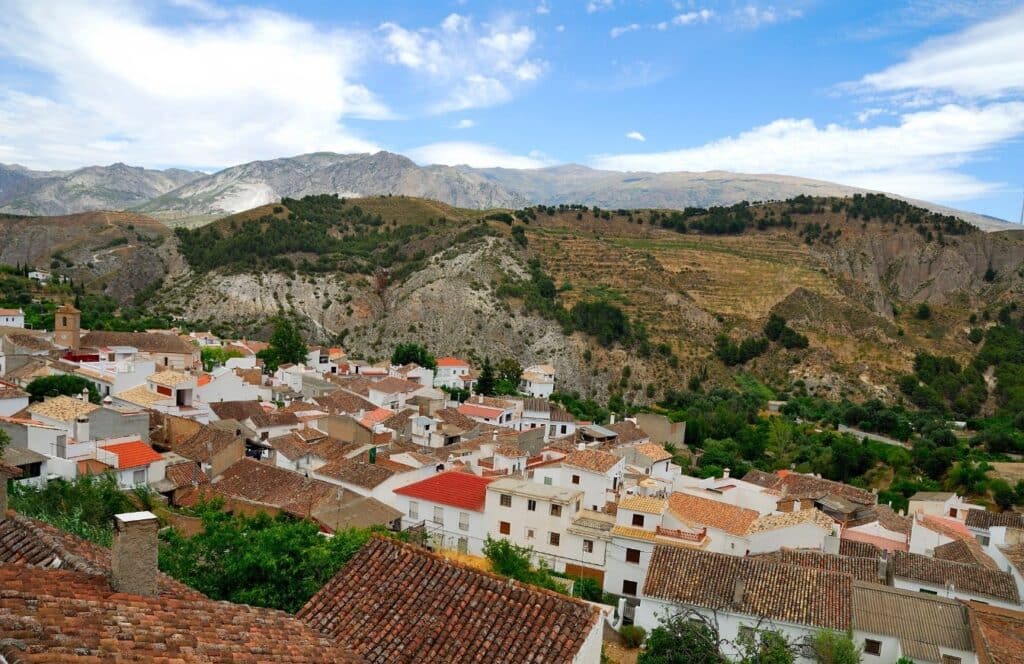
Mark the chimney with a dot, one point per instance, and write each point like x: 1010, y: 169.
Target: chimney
x: 831, y: 544
x: 133, y: 556
x: 581, y: 445
x: 611, y: 419
x: 739, y: 587
x: 82, y: 428
x: 84, y: 396
x: 725, y: 473
x: 883, y: 570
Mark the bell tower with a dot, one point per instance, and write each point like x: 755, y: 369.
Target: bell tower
x: 67, y: 327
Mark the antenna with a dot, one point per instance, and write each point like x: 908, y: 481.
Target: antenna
x: 1022, y: 211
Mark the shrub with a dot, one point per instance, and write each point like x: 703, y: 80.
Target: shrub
x: 633, y: 635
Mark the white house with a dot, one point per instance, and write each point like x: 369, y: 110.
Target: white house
x: 12, y: 318
x: 538, y: 381
x: 955, y: 580
x: 534, y: 515
x: 490, y: 411
x: 541, y: 413
x: 134, y: 462
x: 12, y: 399
x: 450, y: 505
x: 596, y: 473
x: 940, y: 503
x: 452, y: 373
x: 394, y: 393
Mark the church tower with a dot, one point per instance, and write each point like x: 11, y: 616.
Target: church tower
x: 67, y: 326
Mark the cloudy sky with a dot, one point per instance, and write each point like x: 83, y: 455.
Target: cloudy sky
x: 922, y: 97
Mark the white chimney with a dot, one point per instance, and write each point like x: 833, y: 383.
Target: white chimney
x: 581, y: 446
x: 84, y: 396
x: 133, y: 555
x: 725, y: 473
x: 82, y: 428
x: 611, y: 419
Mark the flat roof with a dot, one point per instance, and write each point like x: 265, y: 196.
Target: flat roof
x: 534, y: 490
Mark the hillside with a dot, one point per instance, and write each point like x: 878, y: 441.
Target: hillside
x: 463, y: 282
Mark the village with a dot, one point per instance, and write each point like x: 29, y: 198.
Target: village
x: 349, y: 444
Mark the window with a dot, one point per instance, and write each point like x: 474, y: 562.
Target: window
x: 139, y: 477
x: 463, y: 545
x: 633, y: 556
x: 556, y: 510
x: 414, y: 510
x: 554, y: 539
x: 951, y: 659
x: 463, y: 520
x: 531, y: 505
x: 928, y: 592
x: 504, y: 527
x: 588, y: 546
x: 563, y: 428
x: 575, y: 479
x: 982, y: 539
x: 952, y: 512
x: 547, y: 481
x: 629, y: 588
x: 439, y: 515
x: 530, y: 534
x: 638, y: 520
x: 506, y: 500
x: 872, y: 647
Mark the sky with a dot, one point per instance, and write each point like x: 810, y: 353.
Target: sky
x: 923, y: 98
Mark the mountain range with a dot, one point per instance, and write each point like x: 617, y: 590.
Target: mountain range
x: 182, y: 193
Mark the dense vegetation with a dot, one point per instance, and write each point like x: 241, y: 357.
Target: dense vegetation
x: 84, y: 507
x: 62, y: 384
x: 775, y: 330
x: 286, y: 345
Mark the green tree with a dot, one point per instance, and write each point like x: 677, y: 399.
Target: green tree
x: 214, y: 356
x: 508, y: 373
x: 1002, y: 493
x: 968, y: 477
x: 765, y: 647
x: 924, y: 312
x: 831, y: 647
x: 486, y: 382
x: 84, y: 506
x: 781, y: 442
x: 774, y: 327
x: 408, y: 352
x: 679, y: 640
x: 66, y: 384
x: 286, y: 345
x: 513, y: 561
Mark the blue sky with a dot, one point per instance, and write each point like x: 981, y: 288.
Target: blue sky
x: 923, y: 98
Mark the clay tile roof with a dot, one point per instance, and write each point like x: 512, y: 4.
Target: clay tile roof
x: 451, y: 362
x: 394, y: 602
x: 391, y: 385
x: 960, y: 551
x: 144, y: 341
x: 595, y: 461
x: 861, y: 569
x: 857, y: 549
x: 376, y: 416
x: 801, y: 595
x: 357, y: 472
x: 711, y: 513
x: 450, y: 488
x: 27, y: 541
x: 263, y: 483
x: 997, y: 633
x: 57, y: 615
x: 510, y: 452
x: 635, y: 533
x: 291, y: 445
x: 169, y: 378
x: 645, y: 504
x: 476, y: 410
x: 965, y: 578
x: 133, y: 454
x: 332, y: 449
x: 983, y: 519
x: 11, y: 391
x: 141, y: 395
x: 236, y: 410
x: 185, y: 473
x: 800, y: 486
x: 273, y: 419
x: 890, y: 520
x: 653, y: 452
x: 342, y: 401
x: 958, y: 532
x: 1015, y: 554
x: 205, y: 443
x: 455, y: 419
x: 62, y: 408
x: 787, y: 519
x: 628, y: 432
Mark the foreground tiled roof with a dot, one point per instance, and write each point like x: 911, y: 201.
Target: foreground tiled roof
x: 983, y: 519
x: 395, y: 603
x: 595, y: 461
x: 62, y: 408
x: 56, y: 615
x: 965, y: 578
x: 788, y: 519
x: 450, y: 488
x: 861, y: 569
x: 922, y: 623
x: 695, y: 510
x: 27, y: 541
x: 132, y: 454
x: 802, y: 595
x: 998, y: 634
x: 236, y: 410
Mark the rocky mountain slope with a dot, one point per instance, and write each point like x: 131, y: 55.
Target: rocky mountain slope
x: 196, y: 197
x: 115, y: 187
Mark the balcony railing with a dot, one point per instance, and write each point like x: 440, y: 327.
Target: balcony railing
x: 683, y: 535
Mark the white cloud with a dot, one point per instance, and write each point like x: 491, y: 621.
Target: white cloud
x: 636, y: 136
x: 471, y: 66
x: 690, y: 18
x: 464, y: 123
x: 477, y: 155
x: 985, y: 60
x: 599, y: 5
x: 869, y: 113
x: 916, y: 157
x: 543, y: 7
x: 620, y: 30
x: 753, y: 16
x: 121, y: 87
x: 559, y: 28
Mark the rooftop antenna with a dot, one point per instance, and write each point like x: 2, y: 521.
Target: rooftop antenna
x: 1022, y: 211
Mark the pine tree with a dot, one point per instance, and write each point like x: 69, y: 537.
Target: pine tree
x: 485, y: 383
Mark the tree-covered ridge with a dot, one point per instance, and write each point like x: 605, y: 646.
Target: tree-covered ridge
x: 322, y: 233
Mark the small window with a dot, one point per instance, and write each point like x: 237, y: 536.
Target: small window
x: 414, y: 510
x: 872, y: 647
x: 463, y: 545
x: 638, y: 520
x: 463, y: 520
x: 530, y: 533
x: 629, y: 588
x: 575, y: 479
x: 556, y: 510
x: 983, y: 539
x: 504, y: 527
x: 633, y: 556
x: 531, y: 505
x: 928, y: 592
x: 439, y: 516
x: 506, y: 500
x: 563, y: 428
x: 951, y: 659
x: 139, y: 477
x: 588, y: 546
x: 554, y: 539
x: 547, y: 481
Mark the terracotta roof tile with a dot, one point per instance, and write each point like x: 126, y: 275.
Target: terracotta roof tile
x: 185, y: 473
x: 787, y: 519
x: 859, y: 549
x: 133, y: 454
x: 273, y: 419
x: 966, y: 578
x: 236, y: 410
x: 595, y: 461
x: 628, y: 432
x: 344, y: 402
x: 695, y: 510
x: 62, y: 408
x: 144, y: 341
x: 357, y: 472
x: 205, y: 443
x: 263, y: 483
x: 477, y: 410
x: 802, y: 595
x: 396, y: 603
x: 861, y: 569
x: 997, y: 634
x: 645, y: 504
x: 800, y: 486
x: 453, y: 488
x: 983, y: 519
x: 958, y: 532
x: 451, y: 362
x: 141, y: 395
x: 169, y: 378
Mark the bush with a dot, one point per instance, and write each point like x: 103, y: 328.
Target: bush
x: 633, y: 635
x: 924, y: 312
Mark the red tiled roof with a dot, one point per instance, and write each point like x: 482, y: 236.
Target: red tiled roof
x: 450, y: 488
x: 451, y: 362
x: 695, y: 510
x: 997, y: 633
x: 475, y: 410
x: 396, y: 603
x: 132, y: 454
